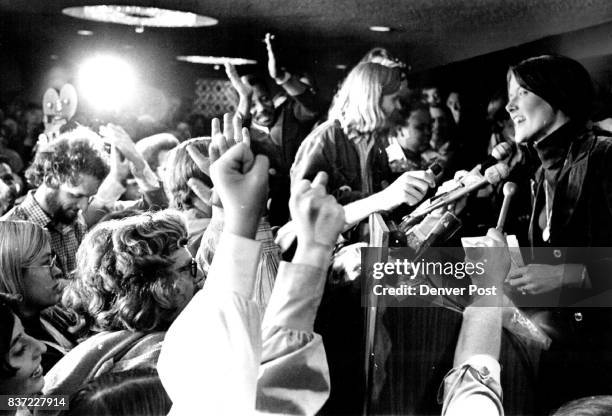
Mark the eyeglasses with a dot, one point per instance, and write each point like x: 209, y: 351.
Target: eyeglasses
x: 193, y: 265
x: 194, y: 268
x: 51, y: 265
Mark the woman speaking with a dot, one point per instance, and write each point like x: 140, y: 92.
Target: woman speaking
x: 549, y: 101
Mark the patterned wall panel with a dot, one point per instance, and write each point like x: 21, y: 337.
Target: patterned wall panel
x: 214, y: 97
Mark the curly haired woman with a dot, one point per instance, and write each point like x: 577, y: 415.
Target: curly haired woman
x: 134, y: 276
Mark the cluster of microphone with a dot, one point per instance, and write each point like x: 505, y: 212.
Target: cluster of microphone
x: 492, y: 171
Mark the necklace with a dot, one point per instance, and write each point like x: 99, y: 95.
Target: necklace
x: 546, y: 231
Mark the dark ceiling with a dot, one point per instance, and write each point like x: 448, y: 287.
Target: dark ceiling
x: 428, y: 33
x: 314, y: 34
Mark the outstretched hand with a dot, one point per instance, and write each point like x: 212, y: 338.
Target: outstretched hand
x: 410, y: 188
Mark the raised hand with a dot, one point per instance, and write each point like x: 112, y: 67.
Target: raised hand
x: 119, y: 166
x: 232, y: 133
x: 273, y: 70
x: 239, y: 84
x: 221, y: 142
x: 241, y: 181
x: 118, y: 137
x: 318, y: 218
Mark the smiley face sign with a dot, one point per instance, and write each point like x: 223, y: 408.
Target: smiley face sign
x: 59, y: 108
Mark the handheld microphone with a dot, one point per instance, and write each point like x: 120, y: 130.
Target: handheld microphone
x: 450, y: 197
x: 499, y: 152
x: 435, y: 169
x: 509, y: 190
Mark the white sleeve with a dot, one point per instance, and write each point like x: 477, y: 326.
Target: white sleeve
x: 294, y: 377
x: 211, y: 353
x: 473, y: 388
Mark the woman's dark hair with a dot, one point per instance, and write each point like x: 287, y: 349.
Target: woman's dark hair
x: 129, y: 393
x: 561, y: 81
x: 410, y: 107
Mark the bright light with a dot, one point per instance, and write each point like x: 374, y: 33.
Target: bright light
x: 107, y: 82
x: 85, y: 32
x: 380, y: 28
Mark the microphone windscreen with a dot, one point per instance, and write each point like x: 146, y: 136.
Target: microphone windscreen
x: 501, y: 151
x: 509, y: 188
x: 496, y: 173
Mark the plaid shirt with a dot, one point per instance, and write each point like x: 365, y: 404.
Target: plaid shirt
x: 65, y: 239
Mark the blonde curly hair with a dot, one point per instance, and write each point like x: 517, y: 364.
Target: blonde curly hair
x: 124, y: 277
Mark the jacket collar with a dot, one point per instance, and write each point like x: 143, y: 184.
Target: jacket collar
x: 570, y: 182
x: 553, y: 148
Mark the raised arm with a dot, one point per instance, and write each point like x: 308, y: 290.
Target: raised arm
x: 244, y: 90
x: 294, y: 377
x: 308, y: 107
x: 211, y: 353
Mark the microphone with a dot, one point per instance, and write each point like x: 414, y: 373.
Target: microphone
x: 499, y: 152
x: 453, y: 196
x: 509, y: 190
x: 435, y: 169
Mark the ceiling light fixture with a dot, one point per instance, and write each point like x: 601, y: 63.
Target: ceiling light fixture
x: 85, y: 32
x: 380, y: 28
x: 341, y: 66
x: 140, y: 16
x: 215, y: 60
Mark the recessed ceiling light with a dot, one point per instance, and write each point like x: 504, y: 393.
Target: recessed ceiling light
x: 340, y: 66
x: 380, y: 28
x: 85, y: 32
x: 215, y: 60
x: 140, y: 16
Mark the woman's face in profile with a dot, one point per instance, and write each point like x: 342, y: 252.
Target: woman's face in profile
x: 532, y: 116
x: 24, y: 355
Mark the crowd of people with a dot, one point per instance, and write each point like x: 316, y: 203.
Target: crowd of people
x: 175, y: 275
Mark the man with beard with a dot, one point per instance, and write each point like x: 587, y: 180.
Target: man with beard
x: 277, y: 130
x: 75, y: 186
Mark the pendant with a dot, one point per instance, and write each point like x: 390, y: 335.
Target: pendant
x: 546, y: 234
